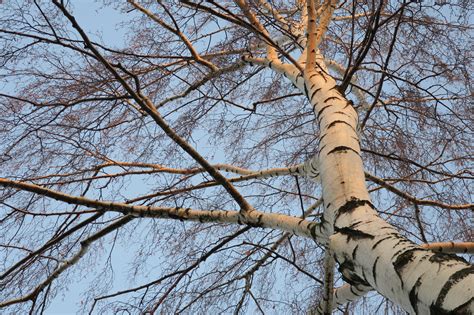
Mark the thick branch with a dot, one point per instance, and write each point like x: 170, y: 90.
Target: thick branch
x: 451, y: 247
x: 255, y: 218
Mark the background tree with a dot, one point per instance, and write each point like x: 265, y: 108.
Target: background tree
x: 217, y: 132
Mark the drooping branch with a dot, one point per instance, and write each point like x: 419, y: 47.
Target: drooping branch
x: 85, y: 245
x: 53, y: 241
x: 196, y: 264
x: 196, y: 85
x: 415, y: 200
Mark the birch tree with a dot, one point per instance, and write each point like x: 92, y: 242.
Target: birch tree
x: 247, y: 156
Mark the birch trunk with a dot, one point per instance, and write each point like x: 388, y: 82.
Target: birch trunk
x: 368, y: 250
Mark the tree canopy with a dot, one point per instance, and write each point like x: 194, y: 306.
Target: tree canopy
x: 226, y: 151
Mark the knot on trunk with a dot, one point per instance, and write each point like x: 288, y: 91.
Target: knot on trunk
x: 349, y: 275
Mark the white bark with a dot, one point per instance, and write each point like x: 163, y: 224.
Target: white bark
x: 294, y: 225
x: 370, y: 251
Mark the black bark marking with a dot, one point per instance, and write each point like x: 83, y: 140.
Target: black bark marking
x: 354, y: 252
x: 335, y: 87
x: 323, y: 76
x: 443, y: 257
x: 343, y: 149
x: 174, y: 216
x: 348, y: 274
x: 352, y: 204
x: 413, y: 295
x: 381, y: 240
x: 343, y: 113
x: 374, y: 270
x: 401, y: 241
x: 404, y: 249
x: 256, y: 224
x: 353, y: 233
x: 402, y: 260
x: 321, y: 149
x: 455, y: 278
x: 323, y: 220
x: 357, y: 223
x: 463, y: 309
x: 312, y: 230
x: 338, y: 122
x: 321, y: 138
x: 352, y: 290
x: 314, y: 93
x: 331, y: 98
x: 365, y: 277
x: 322, y: 110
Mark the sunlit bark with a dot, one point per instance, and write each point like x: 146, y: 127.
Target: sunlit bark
x: 172, y: 109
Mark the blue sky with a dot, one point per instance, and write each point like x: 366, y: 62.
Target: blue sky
x: 100, y: 22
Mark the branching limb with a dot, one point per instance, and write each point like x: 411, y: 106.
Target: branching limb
x: 151, y: 110
x: 290, y: 71
x: 415, y: 200
x: 178, y: 33
x: 316, y: 31
x: 221, y: 167
x: 49, y: 244
x: 85, y: 244
x: 200, y: 83
x: 272, y: 53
